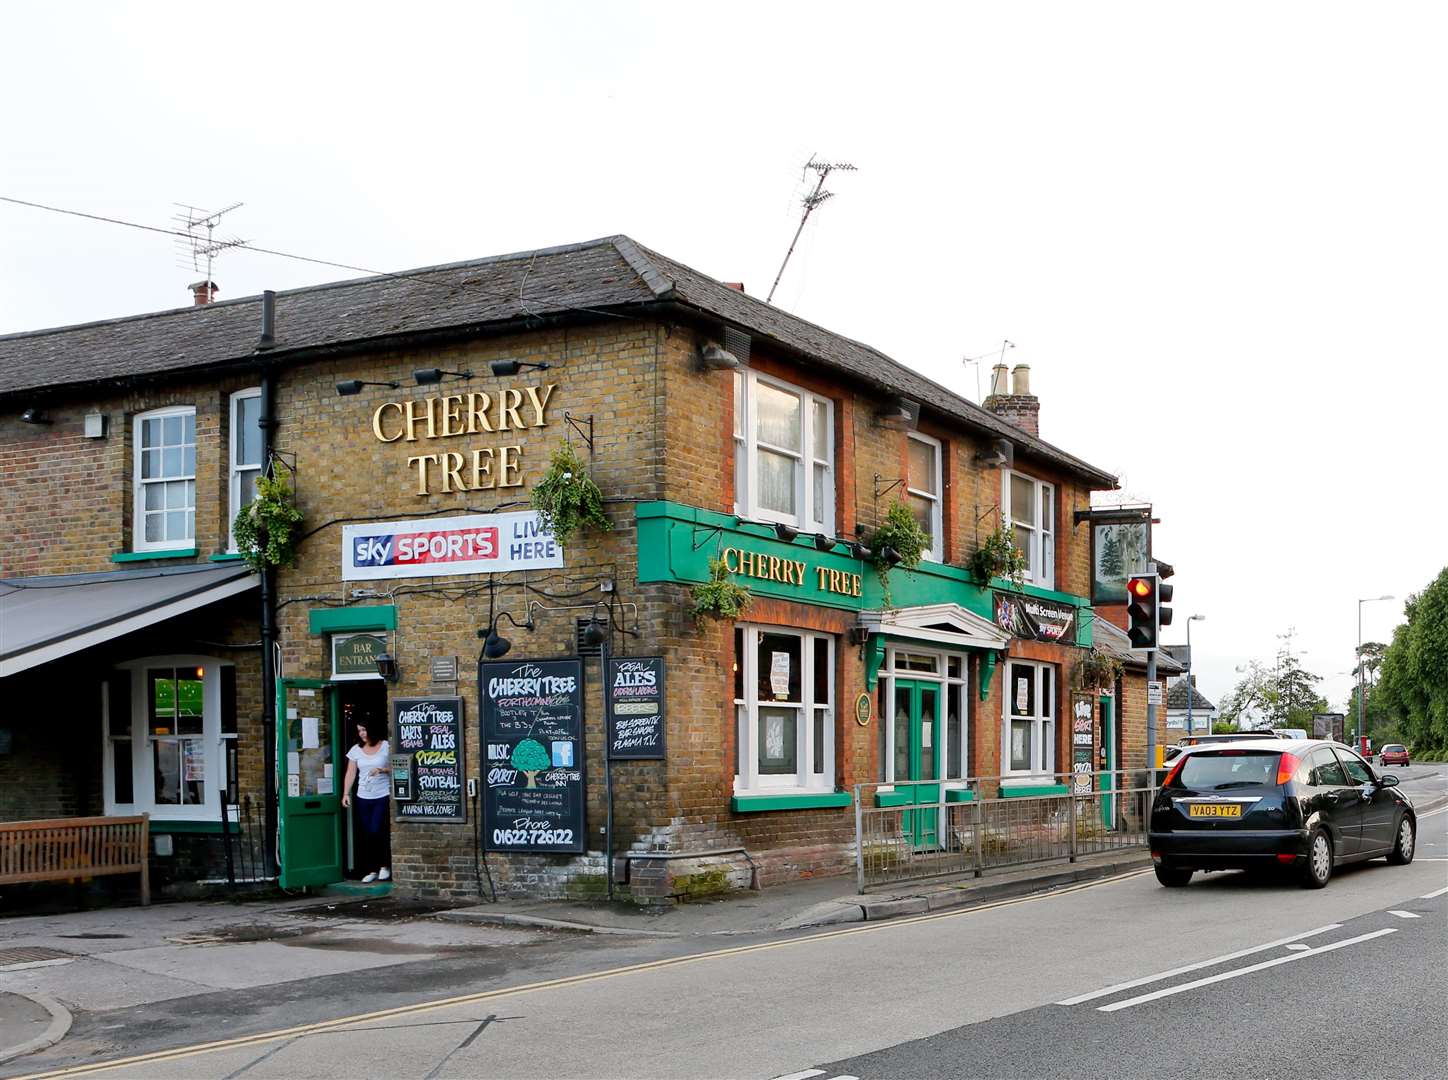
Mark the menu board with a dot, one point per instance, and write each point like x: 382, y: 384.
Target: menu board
x: 431, y: 730
x: 635, y: 695
x: 532, y: 735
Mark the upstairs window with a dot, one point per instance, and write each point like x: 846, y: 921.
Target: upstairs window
x: 923, y: 484
x: 165, y: 480
x: 1029, y: 508
x: 784, y: 460
x: 245, y: 453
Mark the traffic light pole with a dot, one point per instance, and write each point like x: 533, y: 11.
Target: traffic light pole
x: 1150, y: 718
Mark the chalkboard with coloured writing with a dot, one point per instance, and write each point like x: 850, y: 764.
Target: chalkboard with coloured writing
x: 430, y: 730
x: 635, y: 695
x: 532, y: 737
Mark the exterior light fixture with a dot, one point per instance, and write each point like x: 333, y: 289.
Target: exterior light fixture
x: 495, y: 644
x: 1001, y: 455
x: 387, y: 666
x: 889, y: 556
x: 428, y: 376
x: 858, y: 550
x: 901, y: 414
x: 823, y: 542
x: 787, y: 533
x: 33, y: 415
x: 594, y: 633
x: 714, y: 357
x: 512, y: 367
x: 348, y: 387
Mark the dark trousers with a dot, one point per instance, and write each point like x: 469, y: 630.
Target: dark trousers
x: 372, y: 834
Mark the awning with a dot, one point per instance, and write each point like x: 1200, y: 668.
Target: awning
x: 43, y: 618
x: 939, y: 624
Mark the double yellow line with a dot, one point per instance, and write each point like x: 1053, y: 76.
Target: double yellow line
x: 282, y: 1034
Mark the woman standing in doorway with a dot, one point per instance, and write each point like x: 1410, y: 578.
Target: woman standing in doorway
x: 367, y: 765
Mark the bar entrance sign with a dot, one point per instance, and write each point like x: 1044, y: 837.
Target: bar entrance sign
x: 635, y: 695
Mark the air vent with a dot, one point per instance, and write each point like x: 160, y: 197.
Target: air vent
x: 737, y: 342
x: 582, y: 648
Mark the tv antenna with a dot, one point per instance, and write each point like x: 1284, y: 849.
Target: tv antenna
x: 1001, y: 359
x: 200, y: 246
x: 814, y: 199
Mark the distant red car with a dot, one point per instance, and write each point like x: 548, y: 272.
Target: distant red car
x: 1394, y: 754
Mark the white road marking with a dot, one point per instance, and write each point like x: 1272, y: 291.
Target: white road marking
x: 1299, y: 946
x: 1433, y: 895
x: 802, y: 1075
x: 1116, y: 989
x: 1405, y: 914
x: 1184, y: 987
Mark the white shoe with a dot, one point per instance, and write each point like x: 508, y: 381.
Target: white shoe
x: 369, y: 879
x: 385, y: 875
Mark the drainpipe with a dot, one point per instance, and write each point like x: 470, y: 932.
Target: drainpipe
x: 267, y: 423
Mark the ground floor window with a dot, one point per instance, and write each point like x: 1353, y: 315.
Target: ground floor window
x: 170, y: 737
x: 1029, y: 736
x: 784, y: 684
x: 924, y: 710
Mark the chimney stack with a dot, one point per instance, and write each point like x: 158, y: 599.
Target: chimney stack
x: 1016, y: 404
x: 203, y: 292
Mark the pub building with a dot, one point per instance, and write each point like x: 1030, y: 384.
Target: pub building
x: 549, y: 704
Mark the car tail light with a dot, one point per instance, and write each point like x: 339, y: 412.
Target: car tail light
x: 1283, y: 856
x: 1286, y: 766
x: 1171, y: 776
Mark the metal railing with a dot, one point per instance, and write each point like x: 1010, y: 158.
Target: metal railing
x: 921, y: 830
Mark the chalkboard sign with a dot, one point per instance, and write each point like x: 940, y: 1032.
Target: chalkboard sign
x: 532, y: 735
x: 431, y: 731
x: 635, y: 696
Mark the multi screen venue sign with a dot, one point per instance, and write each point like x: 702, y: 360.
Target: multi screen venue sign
x: 426, y: 547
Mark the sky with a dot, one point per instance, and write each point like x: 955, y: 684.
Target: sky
x: 1228, y: 220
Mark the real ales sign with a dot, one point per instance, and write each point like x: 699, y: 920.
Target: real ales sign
x: 635, y: 695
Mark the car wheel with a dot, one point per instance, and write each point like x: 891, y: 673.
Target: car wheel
x: 1402, y: 853
x: 1318, y: 867
x: 1171, y: 877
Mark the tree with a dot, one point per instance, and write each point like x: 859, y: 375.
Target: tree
x: 530, y: 757
x: 1284, y: 695
x: 1111, y: 569
x: 1370, y: 659
x: 1254, y: 698
x: 1414, y: 678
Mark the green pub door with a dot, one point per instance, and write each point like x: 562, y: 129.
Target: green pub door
x: 917, y: 743
x: 310, y: 768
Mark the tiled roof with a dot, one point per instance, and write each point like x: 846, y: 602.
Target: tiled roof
x: 1112, y: 640
x: 608, y: 276
x: 1176, y: 697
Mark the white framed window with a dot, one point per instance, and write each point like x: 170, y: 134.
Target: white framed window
x: 923, y: 483
x: 1028, y: 738
x: 784, y: 454
x: 169, y: 734
x: 165, y: 480
x: 1029, y: 508
x: 905, y: 748
x: 245, y: 454
x: 784, y: 686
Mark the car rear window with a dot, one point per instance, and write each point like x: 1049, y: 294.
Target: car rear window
x: 1208, y: 770
x: 1393, y: 748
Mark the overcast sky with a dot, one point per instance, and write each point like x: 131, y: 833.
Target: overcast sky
x: 1235, y: 211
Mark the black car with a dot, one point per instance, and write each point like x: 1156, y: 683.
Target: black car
x: 1303, y: 804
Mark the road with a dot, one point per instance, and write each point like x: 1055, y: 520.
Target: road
x: 1119, y: 978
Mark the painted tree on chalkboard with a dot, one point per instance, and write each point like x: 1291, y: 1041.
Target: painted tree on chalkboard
x: 530, y: 757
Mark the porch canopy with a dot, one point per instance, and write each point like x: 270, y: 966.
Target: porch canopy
x: 938, y: 624
x: 44, y: 618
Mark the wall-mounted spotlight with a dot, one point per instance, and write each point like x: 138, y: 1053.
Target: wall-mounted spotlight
x: 428, y: 376
x: 348, y: 387
x: 1001, y: 455
x: 823, y: 542
x: 714, y: 357
x: 900, y: 414
x: 495, y: 644
x: 858, y: 550
x: 387, y: 666
x: 512, y: 367
x: 889, y: 556
x: 33, y: 415
x: 787, y: 533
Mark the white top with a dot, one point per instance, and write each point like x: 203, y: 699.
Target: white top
x: 368, y: 785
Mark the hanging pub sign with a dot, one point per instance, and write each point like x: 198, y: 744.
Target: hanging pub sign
x: 1120, y: 548
x: 635, y: 695
x: 532, y: 736
x: 1038, y: 620
x: 430, y: 731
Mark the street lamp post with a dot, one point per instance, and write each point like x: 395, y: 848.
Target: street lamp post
x: 1361, y: 692
x: 1191, y: 690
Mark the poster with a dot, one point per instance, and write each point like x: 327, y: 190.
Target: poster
x: 635, y: 697
x: 1034, y: 619
x: 779, y: 675
x: 532, y: 736
x: 470, y: 544
x: 193, y: 760
x: 311, y: 732
x: 1083, y: 740
x: 431, y: 730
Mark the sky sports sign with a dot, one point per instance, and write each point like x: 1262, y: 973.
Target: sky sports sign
x: 474, y: 544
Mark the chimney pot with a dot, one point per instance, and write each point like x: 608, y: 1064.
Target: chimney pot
x: 998, y: 384
x: 1021, y: 380
x: 737, y: 286
x: 203, y: 292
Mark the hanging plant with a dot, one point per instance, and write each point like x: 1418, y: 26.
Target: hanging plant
x: 1097, y: 671
x: 566, y: 499
x: 266, y: 527
x: 998, y: 556
x: 720, y: 597
x: 899, y: 541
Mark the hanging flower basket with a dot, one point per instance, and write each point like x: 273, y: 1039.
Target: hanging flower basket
x: 998, y: 557
x: 566, y: 499
x: 1096, y: 671
x: 719, y: 597
x: 899, y: 541
x: 266, y: 528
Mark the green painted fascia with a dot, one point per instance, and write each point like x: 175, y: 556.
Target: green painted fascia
x: 357, y: 617
x: 959, y: 795
x: 1025, y: 791
x: 143, y: 556
x: 750, y: 804
x: 225, y: 556
x: 191, y: 828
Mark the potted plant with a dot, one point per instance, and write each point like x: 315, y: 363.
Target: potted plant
x: 998, y: 556
x: 899, y: 541
x: 1097, y: 671
x: 266, y: 528
x: 566, y: 499
x: 719, y: 597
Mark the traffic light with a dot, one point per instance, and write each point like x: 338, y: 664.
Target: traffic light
x: 1141, y: 611
x: 1163, y: 594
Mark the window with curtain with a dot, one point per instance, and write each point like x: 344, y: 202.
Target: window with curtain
x: 783, y: 453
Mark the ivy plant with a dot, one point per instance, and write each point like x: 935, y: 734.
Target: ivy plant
x: 903, y: 536
x: 266, y: 528
x: 566, y: 499
x: 720, y: 597
x: 998, y: 556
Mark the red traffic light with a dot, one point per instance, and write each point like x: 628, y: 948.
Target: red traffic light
x: 1138, y: 586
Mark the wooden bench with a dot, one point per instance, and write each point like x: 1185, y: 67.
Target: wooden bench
x: 63, y: 848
